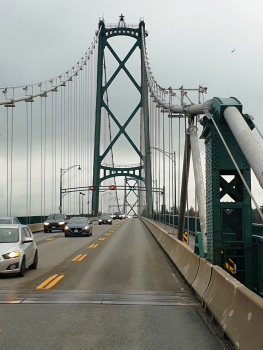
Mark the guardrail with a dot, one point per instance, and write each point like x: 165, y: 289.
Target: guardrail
x: 238, y: 310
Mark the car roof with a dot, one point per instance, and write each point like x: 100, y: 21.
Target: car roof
x: 8, y: 217
x: 11, y: 225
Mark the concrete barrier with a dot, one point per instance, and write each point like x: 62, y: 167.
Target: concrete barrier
x: 183, y: 263
x: 36, y: 227
x: 238, y: 310
x: 193, y: 269
x: 202, y: 280
x: 219, y: 297
x: 244, y: 326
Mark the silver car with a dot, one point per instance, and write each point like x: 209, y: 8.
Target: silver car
x: 18, y: 249
x: 9, y: 220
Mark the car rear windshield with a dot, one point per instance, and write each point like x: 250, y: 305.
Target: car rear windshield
x: 5, y: 221
x: 55, y: 217
x: 78, y: 221
x: 8, y: 235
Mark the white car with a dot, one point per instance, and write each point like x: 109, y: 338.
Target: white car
x: 18, y: 249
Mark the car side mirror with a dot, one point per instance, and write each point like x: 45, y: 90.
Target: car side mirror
x: 27, y: 240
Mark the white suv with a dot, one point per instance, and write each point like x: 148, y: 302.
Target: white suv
x: 18, y: 249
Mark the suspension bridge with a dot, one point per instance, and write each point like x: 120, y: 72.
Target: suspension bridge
x: 105, y: 137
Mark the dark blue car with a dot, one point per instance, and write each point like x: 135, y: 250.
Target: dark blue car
x: 78, y: 226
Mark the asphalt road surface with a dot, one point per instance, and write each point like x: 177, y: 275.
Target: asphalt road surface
x: 114, y: 290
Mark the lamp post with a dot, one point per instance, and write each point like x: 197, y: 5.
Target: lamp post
x: 104, y: 194
x: 83, y: 194
x: 109, y: 202
x: 63, y: 172
x: 172, y: 157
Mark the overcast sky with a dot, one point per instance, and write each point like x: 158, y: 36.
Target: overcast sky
x: 190, y: 43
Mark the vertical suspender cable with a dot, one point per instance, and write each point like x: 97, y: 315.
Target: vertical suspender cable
x: 31, y: 151
x: 7, y: 164
x: 52, y: 160
x: 41, y: 157
x: 27, y: 138
x: 55, y: 165
x: 11, y: 160
x: 45, y: 156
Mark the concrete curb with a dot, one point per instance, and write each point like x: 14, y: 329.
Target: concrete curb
x: 238, y: 310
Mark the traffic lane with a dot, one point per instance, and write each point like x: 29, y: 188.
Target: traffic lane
x: 118, y: 327
x: 129, y: 259
x: 54, y: 257
x: 41, y: 236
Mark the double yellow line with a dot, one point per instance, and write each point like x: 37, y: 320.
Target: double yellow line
x: 79, y: 257
x: 50, y: 282
x: 93, y: 246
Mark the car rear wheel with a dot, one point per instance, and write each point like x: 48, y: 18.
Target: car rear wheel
x: 45, y: 231
x: 22, y: 268
x: 34, y: 265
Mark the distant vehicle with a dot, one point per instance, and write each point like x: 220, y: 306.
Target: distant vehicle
x: 117, y: 215
x: 105, y: 219
x: 9, y: 220
x: 18, y: 249
x: 78, y: 226
x: 55, y: 222
x: 135, y: 216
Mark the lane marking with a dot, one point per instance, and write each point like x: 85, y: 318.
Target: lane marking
x: 76, y: 258
x: 91, y: 246
x: 102, y: 239
x: 62, y: 235
x: 54, y: 282
x: 95, y: 246
x: 83, y: 256
x: 50, y: 282
x: 49, y: 239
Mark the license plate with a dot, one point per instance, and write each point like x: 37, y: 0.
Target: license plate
x: 53, y: 226
x: 104, y: 222
x: 76, y: 231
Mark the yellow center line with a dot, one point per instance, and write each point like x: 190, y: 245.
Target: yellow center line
x: 91, y: 246
x: 46, y: 282
x: 62, y: 235
x: 83, y: 256
x: 49, y: 239
x: 95, y: 246
x: 76, y: 258
x: 54, y: 281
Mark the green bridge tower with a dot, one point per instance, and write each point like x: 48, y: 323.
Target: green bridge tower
x: 101, y: 172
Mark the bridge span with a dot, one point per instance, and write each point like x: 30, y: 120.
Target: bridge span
x: 122, y: 292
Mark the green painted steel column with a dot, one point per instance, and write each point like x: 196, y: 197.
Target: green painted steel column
x: 228, y: 204
x: 99, y: 101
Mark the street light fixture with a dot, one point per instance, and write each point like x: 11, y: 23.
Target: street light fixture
x: 109, y: 202
x: 172, y: 157
x: 104, y: 194
x: 83, y: 194
x: 63, y: 172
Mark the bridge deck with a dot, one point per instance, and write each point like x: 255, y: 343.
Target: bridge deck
x: 124, y: 294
